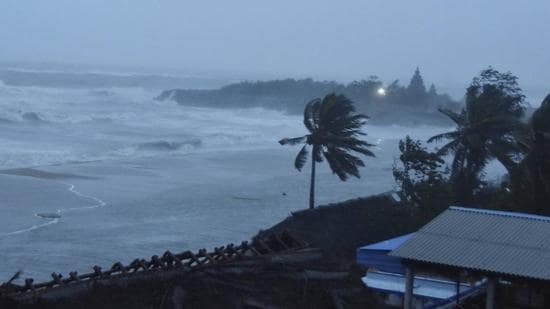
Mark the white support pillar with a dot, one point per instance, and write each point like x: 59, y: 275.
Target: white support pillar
x: 491, y: 287
x: 409, y: 283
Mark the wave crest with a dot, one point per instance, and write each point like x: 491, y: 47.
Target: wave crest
x: 32, y: 117
x: 163, y: 145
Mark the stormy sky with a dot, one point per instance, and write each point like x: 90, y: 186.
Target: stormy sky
x: 450, y: 40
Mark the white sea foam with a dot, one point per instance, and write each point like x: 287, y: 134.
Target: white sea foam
x: 32, y: 228
x: 54, y: 218
x: 97, y: 201
x: 51, y: 126
x: 56, y: 126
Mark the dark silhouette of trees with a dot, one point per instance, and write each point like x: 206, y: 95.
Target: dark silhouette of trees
x: 531, y: 180
x: 485, y: 130
x: 432, y: 92
x: 422, y: 176
x: 401, y: 104
x: 334, y: 131
x: 416, y: 88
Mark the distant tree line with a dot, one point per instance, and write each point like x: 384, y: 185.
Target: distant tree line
x: 411, y: 104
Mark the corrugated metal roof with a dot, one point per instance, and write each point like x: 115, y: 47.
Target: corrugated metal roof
x: 488, y: 240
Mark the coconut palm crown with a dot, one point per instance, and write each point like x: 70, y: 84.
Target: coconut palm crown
x: 334, y: 130
x: 485, y: 130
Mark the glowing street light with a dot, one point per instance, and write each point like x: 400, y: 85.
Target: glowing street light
x: 381, y: 91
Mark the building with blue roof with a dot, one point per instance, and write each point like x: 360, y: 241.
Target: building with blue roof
x: 509, y: 251
x: 386, y: 275
x: 375, y: 256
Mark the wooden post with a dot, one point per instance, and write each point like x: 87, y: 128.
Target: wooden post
x: 409, y: 283
x: 491, y: 286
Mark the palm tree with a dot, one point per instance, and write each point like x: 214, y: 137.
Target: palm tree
x: 334, y: 130
x: 485, y: 130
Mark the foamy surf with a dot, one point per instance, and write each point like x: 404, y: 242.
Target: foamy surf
x: 32, y: 228
x: 55, y: 217
x: 99, y: 202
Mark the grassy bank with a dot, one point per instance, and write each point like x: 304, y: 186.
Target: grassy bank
x: 338, y: 229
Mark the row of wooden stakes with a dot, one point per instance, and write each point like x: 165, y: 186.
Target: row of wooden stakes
x: 273, y: 243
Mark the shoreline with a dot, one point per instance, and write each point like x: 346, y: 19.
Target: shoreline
x: 154, y: 204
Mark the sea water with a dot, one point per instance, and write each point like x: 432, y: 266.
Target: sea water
x: 116, y: 175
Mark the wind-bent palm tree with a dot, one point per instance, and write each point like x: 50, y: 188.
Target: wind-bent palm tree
x: 334, y: 130
x: 485, y: 130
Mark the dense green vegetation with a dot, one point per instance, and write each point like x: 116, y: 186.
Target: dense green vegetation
x: 489, y: 127
x: 484, y: 130
x: 530, y: 181
x: 340, y: 228
x: 398, y: 104
x: 334, y: 130
x: 422, y: 176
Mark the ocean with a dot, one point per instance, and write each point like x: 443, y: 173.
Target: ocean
x: 92, y: 176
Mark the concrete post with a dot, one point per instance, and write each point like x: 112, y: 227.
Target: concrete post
x: 409, y: 283
x: 491, y: 287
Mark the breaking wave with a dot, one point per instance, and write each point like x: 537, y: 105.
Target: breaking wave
x: 163, y: 145
x: 79, y: 125
x: 32, y: 117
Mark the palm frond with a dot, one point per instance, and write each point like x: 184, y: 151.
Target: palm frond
x: 335, y: 106
x: 335, y: 166
x: 311, y: 115
x: 350, y: 144
x: 317, y: 153
x: 348, y: 125
x: 344, y: 141
x: 301, y: 158
x: 498, y: 123
x: 504, y: 158
x: 343, y: 163
x: 455, y: 117
x: 446, y: 135
x: 503, y: 151
x: 350, y: 163
x: 450, y: 146
x: 363, y: 151
x: 293, y: 141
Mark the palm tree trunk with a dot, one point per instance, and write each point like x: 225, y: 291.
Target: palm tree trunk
x: 312, y: 181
